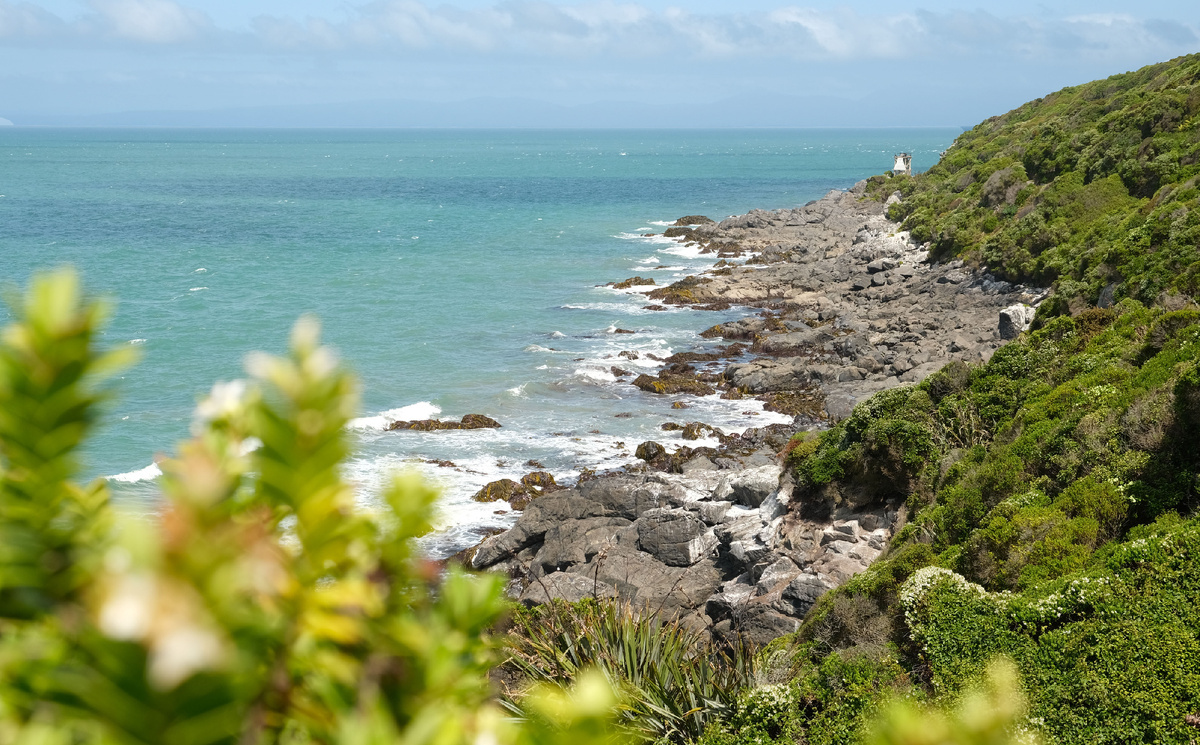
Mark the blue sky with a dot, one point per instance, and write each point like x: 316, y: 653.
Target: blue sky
x: 753, y: 63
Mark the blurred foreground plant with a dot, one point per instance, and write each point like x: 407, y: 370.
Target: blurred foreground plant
x: 992, y: 712
x: 262, y: 605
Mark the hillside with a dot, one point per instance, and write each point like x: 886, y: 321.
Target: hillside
x: 1093, y: 188
x: 1051, y: 493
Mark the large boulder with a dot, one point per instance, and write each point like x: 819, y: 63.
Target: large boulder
x: 801, y: 594
x: 1014, y: 319
x: 649, y: 583
x: 574, y: 542
x: 530, y: 528
x: 629, y: 496
x: 675, y: 536
x: 753, y: 485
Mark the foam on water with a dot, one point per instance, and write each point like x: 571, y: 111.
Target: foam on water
x: 380, y: 421
x: 654, y: 239
x: 445, y: 327
x: 148, y: 473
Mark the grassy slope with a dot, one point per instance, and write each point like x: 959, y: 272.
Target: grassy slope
x: 1090, y: 186
x: 1058, y: 482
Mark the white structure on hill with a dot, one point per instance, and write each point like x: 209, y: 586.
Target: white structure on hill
x: 903, y: 164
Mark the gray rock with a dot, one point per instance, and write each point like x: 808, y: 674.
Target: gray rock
x: 541, y: 515
x: 645, y: 581
x: 630, y: 496
x: 783, y: 570
x: 712, y: 513
x: 801, y: 594
x: 884, y: 264
x: 759, y: 624
x: 674, y: 536
x: 576, y: 541
x: 569, y: 587
x: 1013, y: 320
x: 753, y: 485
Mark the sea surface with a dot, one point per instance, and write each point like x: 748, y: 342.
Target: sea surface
x: 455, y: 271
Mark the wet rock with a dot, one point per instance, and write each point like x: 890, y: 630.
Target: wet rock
x: 625, y: 284
x: 650, y: 450
x: 470, y: 421
x: 507, y: 490
x: 666, y: 383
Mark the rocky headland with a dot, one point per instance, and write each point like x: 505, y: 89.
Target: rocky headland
x: 723, y: 537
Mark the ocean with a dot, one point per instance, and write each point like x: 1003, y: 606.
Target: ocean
x: 456, y: 271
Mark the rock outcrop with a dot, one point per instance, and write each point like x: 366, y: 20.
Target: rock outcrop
x: 720, y: 546
x: 718, y: 536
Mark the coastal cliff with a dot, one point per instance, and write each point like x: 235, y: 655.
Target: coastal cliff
x: 851, y: 306
x: 1028, y: 490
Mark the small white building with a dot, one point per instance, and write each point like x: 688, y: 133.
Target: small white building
x: 903, y: 164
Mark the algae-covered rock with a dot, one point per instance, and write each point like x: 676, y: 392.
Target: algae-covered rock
x: 503, y: 489
x: 625, y: 284
x: 667, y: 383
x: 470, y: 421
x: 687, y: 220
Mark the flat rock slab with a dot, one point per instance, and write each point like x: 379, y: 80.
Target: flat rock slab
x: 562, y: 586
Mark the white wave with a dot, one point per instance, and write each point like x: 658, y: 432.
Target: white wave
x: 613, y: 329
x: 539, y: 349
x: 136, y: 342
x: 687, y: 252
x: 651, y: 260
x: 412, y: 412
x: 660, y: 240
x: 602, y: 376
x: 663, y: 223
x: 518, y: 390
x: 628, y: 309
x: 197, y: 289
x: 557, y: 335
x: 201, y: 270
x: 151, y: 471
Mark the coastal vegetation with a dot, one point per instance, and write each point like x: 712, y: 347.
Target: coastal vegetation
x: 261, y: 605
x: 1092, y: 188
x: 1043, y: 584
x: 1051, y: 493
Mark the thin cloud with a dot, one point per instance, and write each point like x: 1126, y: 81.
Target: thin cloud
x: 609, y: 31
x: 151, y: 21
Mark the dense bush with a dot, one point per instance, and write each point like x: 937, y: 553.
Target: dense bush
x: 1094, y: 188
x: 1053, y: 523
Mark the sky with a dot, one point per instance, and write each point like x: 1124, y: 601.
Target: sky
x: 764, y: 63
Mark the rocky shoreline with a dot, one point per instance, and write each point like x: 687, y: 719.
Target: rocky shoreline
x: 722, y: 537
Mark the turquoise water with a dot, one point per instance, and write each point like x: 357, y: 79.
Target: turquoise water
x: 456, y: 272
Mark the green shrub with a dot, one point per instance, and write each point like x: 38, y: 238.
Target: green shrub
x: 259, y: 605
